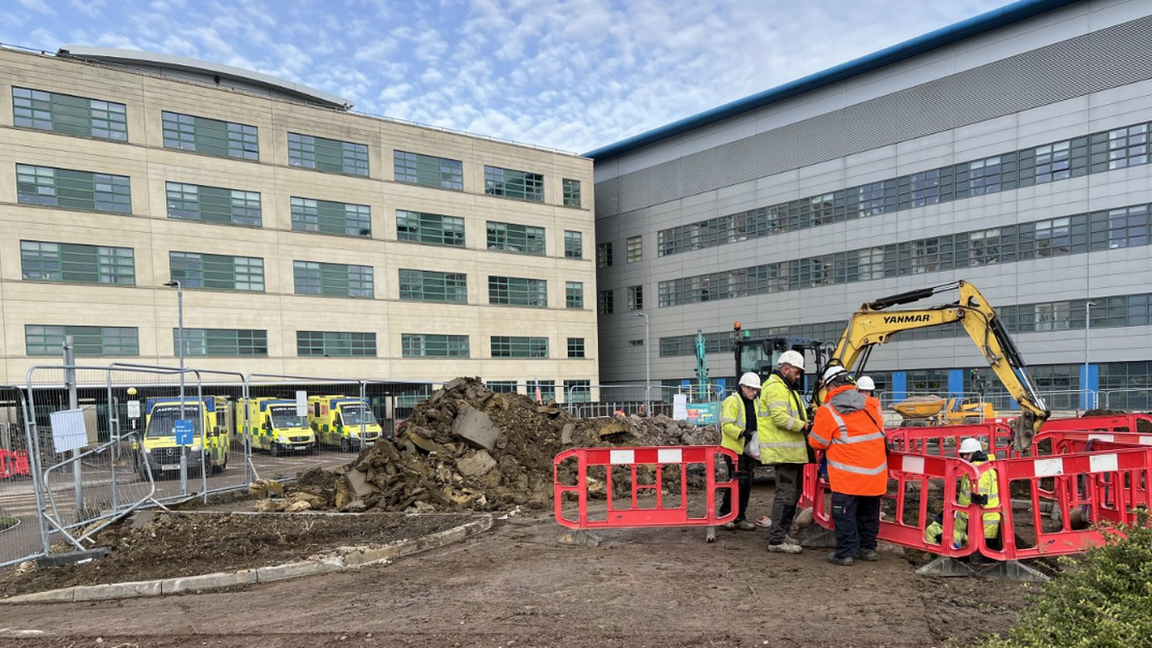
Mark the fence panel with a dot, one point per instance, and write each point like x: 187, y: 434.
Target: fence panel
x: 600, y: 401
x: 20, y: 531
x: 1136, y: 399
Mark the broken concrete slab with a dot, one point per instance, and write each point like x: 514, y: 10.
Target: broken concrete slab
x: 478, y: 464
x: 358, y: 482
x: 566, y: 433
x: 476, y: 428
x: 426, y: 444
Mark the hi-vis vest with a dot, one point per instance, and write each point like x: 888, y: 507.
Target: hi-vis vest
x: 781, y: 436
x: 732, y: 421
x: 989, y: 486
x: 853, y: 441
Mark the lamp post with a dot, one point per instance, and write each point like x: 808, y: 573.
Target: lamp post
x: 647, y: 365
x: 180, y: 351
x: 1087, y: 328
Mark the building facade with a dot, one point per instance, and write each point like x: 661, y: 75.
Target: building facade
x: 1010, y: 150
x: 307, y: 240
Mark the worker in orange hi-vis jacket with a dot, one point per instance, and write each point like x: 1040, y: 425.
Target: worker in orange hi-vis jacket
x: 847, y: 429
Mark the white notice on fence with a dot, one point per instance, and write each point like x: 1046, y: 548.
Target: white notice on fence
x: 301, y: 403
x: 134, y: 409
x: 68, y: 431
x: 680, y: 407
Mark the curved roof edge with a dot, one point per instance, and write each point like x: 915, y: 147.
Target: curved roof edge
x: 985, y: 22
x: 136, y: 58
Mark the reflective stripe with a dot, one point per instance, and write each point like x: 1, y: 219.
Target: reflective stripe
x: 857, y: 470
x: 780, y: 404
x: 860, y: 439
x: 819, y: 438
x: 725, y: 419
x: 763, y: 415
x: 839, y: 422
x: 783, y: 444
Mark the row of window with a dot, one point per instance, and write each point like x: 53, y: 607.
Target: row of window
x: 1053, y: 237
x: 42, y: 261
x: 1106, y: 312
x: 1096, y: 153
x: 43, y: 340
x: 53, y: 111
x: 71, y: 189
x: 633, y: 246
x: 605, y: 303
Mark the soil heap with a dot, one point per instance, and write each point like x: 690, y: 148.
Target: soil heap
x: 469, y: 448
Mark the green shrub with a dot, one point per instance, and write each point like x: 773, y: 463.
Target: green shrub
x: 1102, y: 599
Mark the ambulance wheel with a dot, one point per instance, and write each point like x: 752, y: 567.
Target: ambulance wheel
x: 345, y: 445
x: 274, y: 450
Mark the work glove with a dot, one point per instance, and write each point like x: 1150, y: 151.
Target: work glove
x: 980, y: 499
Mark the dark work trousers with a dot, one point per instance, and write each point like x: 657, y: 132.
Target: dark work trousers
x: 743, y: 488
x: 789, y: 482
x: 857, y: 520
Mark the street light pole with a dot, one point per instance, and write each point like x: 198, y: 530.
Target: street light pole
x: 647, y: 365
x: 180, y: 351
x: 1087, y: 328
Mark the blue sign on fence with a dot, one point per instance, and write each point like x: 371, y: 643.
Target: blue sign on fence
x: 184, y: 432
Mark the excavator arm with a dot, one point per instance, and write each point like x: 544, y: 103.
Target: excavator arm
x: 873, y: 325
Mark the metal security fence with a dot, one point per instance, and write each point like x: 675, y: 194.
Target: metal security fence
x: 1135, y: 399
x: 599, y: 401
x: 20, y: 530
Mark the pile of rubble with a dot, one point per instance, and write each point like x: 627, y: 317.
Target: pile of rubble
x: 467, y: 447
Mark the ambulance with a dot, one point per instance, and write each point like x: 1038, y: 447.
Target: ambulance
x: 339, y: 421
x: 211, y: 435
x: 273, y: 425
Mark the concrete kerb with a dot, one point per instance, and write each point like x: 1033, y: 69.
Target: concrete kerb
x: 343, y: 559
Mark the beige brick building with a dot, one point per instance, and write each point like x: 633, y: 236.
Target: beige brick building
x: 309, y: 240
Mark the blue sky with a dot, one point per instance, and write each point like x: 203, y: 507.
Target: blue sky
x: 568, y: 74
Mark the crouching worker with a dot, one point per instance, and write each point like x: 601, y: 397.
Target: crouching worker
x: 853, y: 440
x: 987, y: 496
x: 740, y: 416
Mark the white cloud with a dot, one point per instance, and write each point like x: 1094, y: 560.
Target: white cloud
x: 39, y: 6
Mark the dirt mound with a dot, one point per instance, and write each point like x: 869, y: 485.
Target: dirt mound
x: 1103, y: 412
x: 469, y: 448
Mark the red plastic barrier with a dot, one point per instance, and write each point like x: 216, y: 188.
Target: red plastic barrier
x: 1131, y: 423
x: 14, y: 463
x: 945, y: 440
x: 663, y: 513
x: 1106, y: 485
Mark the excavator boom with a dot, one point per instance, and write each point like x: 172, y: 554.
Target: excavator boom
x: 873, y: 324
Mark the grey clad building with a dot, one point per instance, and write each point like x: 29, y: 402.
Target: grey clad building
x: 1009, y: 150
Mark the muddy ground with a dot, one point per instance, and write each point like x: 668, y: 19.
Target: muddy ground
x: 516, y: 586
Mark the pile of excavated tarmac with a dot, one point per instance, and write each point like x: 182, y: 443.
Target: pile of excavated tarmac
x: 469, y: 448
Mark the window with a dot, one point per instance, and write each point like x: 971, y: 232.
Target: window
x: 87, y: 340
x: 210, y: 136
x: 502, y: 386
x: 330, y: 344
x: 870, y: 199
x: 1119, y: 148
x: 576, y: 347
x: 984, y: 247
x: 516, y: 238
x: 1053, y: 162
x: 928, y: 381
x: 420, y: 345
x: 1120, y: 228
x: 604, y: 255
x: 332, y: 279
x: 1052, y: 317
x: 571, y: 193
x: 427, y: 170
x: 331, y: 217
x: 635, y: 298
x: 521, y: 185
x: 63, y: 113
x: 433, y: 229
x: 37, y: 185
x: 221, y: 343
x: 519, y: 347
x: 1129, y: 385
x: 577, y: 391
x: 574, y: 295
x: 1053, y: 237
x: 217, y: 272
x: 985, y: 176
x: 925, y: 188
x: 213, y: 204
x: 426, y: 285
x: 604, y: 305
x: 573, y: 245
x: 547, y: 389
x: 327, y: 155
x: 77, y: 263
x: 635, y: 250
x: 514, y: 291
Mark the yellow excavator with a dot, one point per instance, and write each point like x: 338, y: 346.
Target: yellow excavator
x: 874, y: 324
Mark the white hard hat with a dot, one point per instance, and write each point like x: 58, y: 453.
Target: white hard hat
x: 865, y: 382
x: 832, y: 372
x: 970, y: 445
x: 750, y: 379
x: 793, y: 358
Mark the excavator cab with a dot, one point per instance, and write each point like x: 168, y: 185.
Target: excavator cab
x: 760, y: 355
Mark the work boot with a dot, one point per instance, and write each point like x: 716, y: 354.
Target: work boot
x: 745, y: 525
x: 784, y: 548
x: 710, y: 535
x: 729, y: 526
x: 869, y: 555
x: 843, y: 562
x: 790, y: 540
